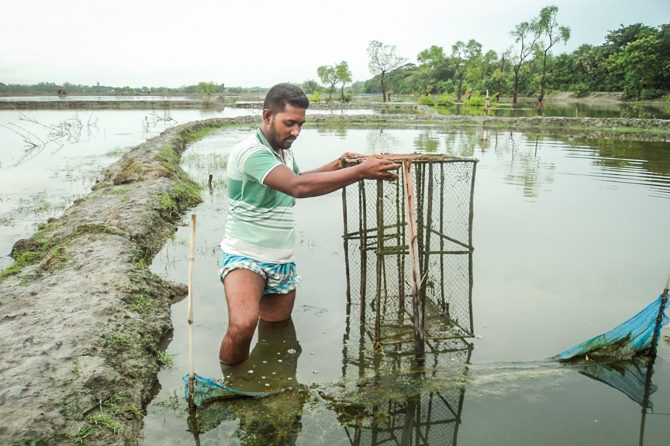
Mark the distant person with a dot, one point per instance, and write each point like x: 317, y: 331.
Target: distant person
x: 257, y: 267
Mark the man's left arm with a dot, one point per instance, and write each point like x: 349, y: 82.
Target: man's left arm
x: 336, y: 164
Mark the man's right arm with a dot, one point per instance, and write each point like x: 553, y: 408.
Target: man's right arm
x: 313, y: 184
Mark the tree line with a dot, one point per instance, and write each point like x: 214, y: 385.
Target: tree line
x: 634, y: 59
x: 51, y: 88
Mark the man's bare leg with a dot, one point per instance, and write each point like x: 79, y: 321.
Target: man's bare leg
x: 277, y: 307
x: 244, y: 290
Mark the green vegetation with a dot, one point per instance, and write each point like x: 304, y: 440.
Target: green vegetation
x: 83, y: 433
x: 116, y: 340
x: 51, y: 88
x: 22, y: 260
x: 51, y: 255
x: 119, y: 191
x: 104, y: 420
x: 200, y: 133
x: 208, y: 89
x: 632, y: 61
x: 141, y: 304
x: 164, y: 359
x: 331, y: 75
x: 128, y: 172
x: 107, y: 419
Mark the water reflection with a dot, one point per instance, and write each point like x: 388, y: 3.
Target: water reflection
x: 426, y: 142
x: 626, y: 162
x: 379, y: 141
x: 403, y: 405
x: 632, y: 378
x: 271, y: 366
x: 340, y: 132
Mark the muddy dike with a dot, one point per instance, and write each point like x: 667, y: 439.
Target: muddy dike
x: 574, y: 128
x: 83, y: 322
x: 74, y: 104
x: 82, y: 319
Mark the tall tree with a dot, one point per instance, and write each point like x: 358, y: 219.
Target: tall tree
x: 383, y: 59
x: 640, y: 63
x: 547, y: 26
x: 525, y: 38
x: 462, y: 57
x: 343, y: 76
x: 499, y: 75
x: 615, y: 45
x: 432, y: 71
x: 328, y: 76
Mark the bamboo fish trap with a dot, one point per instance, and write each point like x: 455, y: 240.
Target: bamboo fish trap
x: 408, y: 251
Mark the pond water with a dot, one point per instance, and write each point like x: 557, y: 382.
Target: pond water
x: 570, y: 238
x: 49, y: 158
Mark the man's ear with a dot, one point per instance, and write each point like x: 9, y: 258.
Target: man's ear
x: 267, y: 115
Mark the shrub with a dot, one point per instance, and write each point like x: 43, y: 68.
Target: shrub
x: 581, y: 89
x: 426, y: 100
x: 446, y: 99
x: 475, y: 101
x: 651, y: 93
x: 315, y: 97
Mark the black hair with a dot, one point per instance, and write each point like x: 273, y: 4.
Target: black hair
x: 282, y: 94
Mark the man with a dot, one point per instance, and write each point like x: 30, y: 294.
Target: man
x: 257, y: 267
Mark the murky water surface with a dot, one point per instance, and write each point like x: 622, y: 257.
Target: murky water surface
x: 49, y: 158
x: 570, y: 239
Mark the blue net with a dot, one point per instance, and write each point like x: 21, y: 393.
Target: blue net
x: 633, y: 337
x: 208, y: 389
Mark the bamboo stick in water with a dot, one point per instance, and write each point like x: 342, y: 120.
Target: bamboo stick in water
x: 415, y: 276
x: 191, y: 258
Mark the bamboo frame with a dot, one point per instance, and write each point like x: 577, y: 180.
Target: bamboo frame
x: 382, y: 228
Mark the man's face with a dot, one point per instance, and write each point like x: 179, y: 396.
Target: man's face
x: 282, y: 128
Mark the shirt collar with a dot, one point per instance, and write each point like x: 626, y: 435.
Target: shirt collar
x: 262, y: 140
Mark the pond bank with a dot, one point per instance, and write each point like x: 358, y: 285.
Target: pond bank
x: 591, y: 128
x: 82, y: 318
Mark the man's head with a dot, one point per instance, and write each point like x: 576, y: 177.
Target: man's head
x: 284, y: 114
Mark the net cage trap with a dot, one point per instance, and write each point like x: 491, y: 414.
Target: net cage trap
x: 408, y: 252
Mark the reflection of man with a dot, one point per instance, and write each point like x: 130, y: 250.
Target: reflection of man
x: 273, y: 362
x: 271, y: 366
x: 257, y: 267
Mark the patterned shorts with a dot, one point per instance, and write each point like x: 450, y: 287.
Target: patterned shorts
x: 280, y: 278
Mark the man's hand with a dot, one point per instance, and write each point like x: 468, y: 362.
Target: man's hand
x: 376, y: 167
x: 348, y: 156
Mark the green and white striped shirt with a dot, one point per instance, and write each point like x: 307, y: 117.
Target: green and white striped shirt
x: 260, y: 219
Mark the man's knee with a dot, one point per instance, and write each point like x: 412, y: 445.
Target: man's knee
x: 241, y: 331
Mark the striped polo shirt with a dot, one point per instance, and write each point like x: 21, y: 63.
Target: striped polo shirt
x: 260, y: 221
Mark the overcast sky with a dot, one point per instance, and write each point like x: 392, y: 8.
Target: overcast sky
x: 259, y: 42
